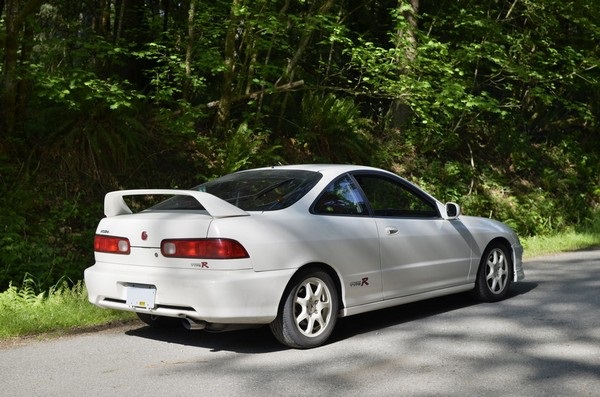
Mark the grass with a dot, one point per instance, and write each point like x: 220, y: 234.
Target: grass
x: 563, y: 242
x: 23, y: 311
x: 584, y: 237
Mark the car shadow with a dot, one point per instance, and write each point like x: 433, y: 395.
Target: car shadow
x: 249, y: 341
x: 260, y: 340
x: 348, y: 327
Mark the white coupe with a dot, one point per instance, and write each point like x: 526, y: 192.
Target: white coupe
x: 294, y: 247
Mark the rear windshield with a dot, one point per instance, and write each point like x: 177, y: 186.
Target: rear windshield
x: 256, y: 190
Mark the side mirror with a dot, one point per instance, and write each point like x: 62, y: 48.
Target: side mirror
x: 452, y: 210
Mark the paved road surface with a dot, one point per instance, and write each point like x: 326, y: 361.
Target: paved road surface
x: 543, y: 341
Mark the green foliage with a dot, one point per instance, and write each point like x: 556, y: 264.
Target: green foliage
x: 46, y: 240
x: 333, y: 130
x: 243, y: 148
x: 26, y: 311
x: 584, y: 236
x: 168, y: 75
x: 491, y: 104
x: 82, y: 89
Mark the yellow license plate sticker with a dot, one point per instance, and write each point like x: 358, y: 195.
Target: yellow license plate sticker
x: 141, y: 297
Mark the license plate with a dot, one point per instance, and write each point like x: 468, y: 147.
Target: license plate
x: 141, y: 296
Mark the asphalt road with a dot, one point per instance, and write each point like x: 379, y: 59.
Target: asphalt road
x: 542, y: 341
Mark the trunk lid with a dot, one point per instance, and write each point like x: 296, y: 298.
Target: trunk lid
x: 148, y: 229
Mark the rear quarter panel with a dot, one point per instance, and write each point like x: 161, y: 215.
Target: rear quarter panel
x: 289, y: 239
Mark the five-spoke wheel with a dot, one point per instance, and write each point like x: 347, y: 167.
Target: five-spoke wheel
x: 308, y: 313
x: 494, y: 274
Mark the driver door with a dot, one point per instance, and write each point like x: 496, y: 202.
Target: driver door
x: 420, y: 251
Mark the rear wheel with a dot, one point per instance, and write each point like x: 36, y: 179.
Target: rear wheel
x: 308, y: 313
x: 494, y: 274
x: 159, y: 321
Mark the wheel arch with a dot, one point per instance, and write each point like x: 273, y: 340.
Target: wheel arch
x: 315, y: 266
x: 506, y: 243
x: 500, y: 240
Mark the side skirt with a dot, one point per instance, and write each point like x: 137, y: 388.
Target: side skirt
x: 350, y: 311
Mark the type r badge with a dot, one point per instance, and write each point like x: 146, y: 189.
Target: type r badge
x: 364, y: 281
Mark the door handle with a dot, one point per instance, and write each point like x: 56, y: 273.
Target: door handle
x: 391, y: 230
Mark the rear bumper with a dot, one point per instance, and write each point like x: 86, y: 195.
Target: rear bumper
x: 214, y: 296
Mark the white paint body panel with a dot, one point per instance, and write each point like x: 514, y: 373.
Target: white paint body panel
x: 422, y: 255
x: 376, y: 268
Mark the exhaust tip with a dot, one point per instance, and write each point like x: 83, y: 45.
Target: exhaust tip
x: 193, y: 325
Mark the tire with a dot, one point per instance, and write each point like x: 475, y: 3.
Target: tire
x: 159, y: 321
x: 308, y: 312
x: 494, y: 275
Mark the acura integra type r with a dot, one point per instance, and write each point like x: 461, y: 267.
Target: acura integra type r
x: 294, y: 247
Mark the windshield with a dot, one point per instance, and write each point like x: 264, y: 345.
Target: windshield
x: 256, y: 190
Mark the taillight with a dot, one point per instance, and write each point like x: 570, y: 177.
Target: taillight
x: 210, y: 248
x: 111, y: 244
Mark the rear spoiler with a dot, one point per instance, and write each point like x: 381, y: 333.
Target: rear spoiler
x: 114, y: 204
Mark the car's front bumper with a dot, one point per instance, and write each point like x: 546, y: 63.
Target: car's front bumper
x: 215, y: 296
x: 517, y: 250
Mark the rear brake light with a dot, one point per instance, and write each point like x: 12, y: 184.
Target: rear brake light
x: 111, y: 244
x: 211, y: 248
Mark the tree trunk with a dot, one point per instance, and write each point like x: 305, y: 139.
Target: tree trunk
x: 118, y: 24
x: 399, y: 112
x: 288, y: 75
x: 16, y: 11
x: 103, y: 18
x: 23, y: 82
x: 9, y: 78
x: 224, y: 108
x: 134, y: 30
x: 304, y: 41
x: 187, y: 86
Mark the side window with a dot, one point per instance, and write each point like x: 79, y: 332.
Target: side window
x: 341, y: 197
x: 390, y: 198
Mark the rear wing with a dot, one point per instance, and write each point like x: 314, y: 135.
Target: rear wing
x: 114, y: 204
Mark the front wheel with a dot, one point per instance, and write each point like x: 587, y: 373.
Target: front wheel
x: 308, y: 313
x: 494, y: 274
